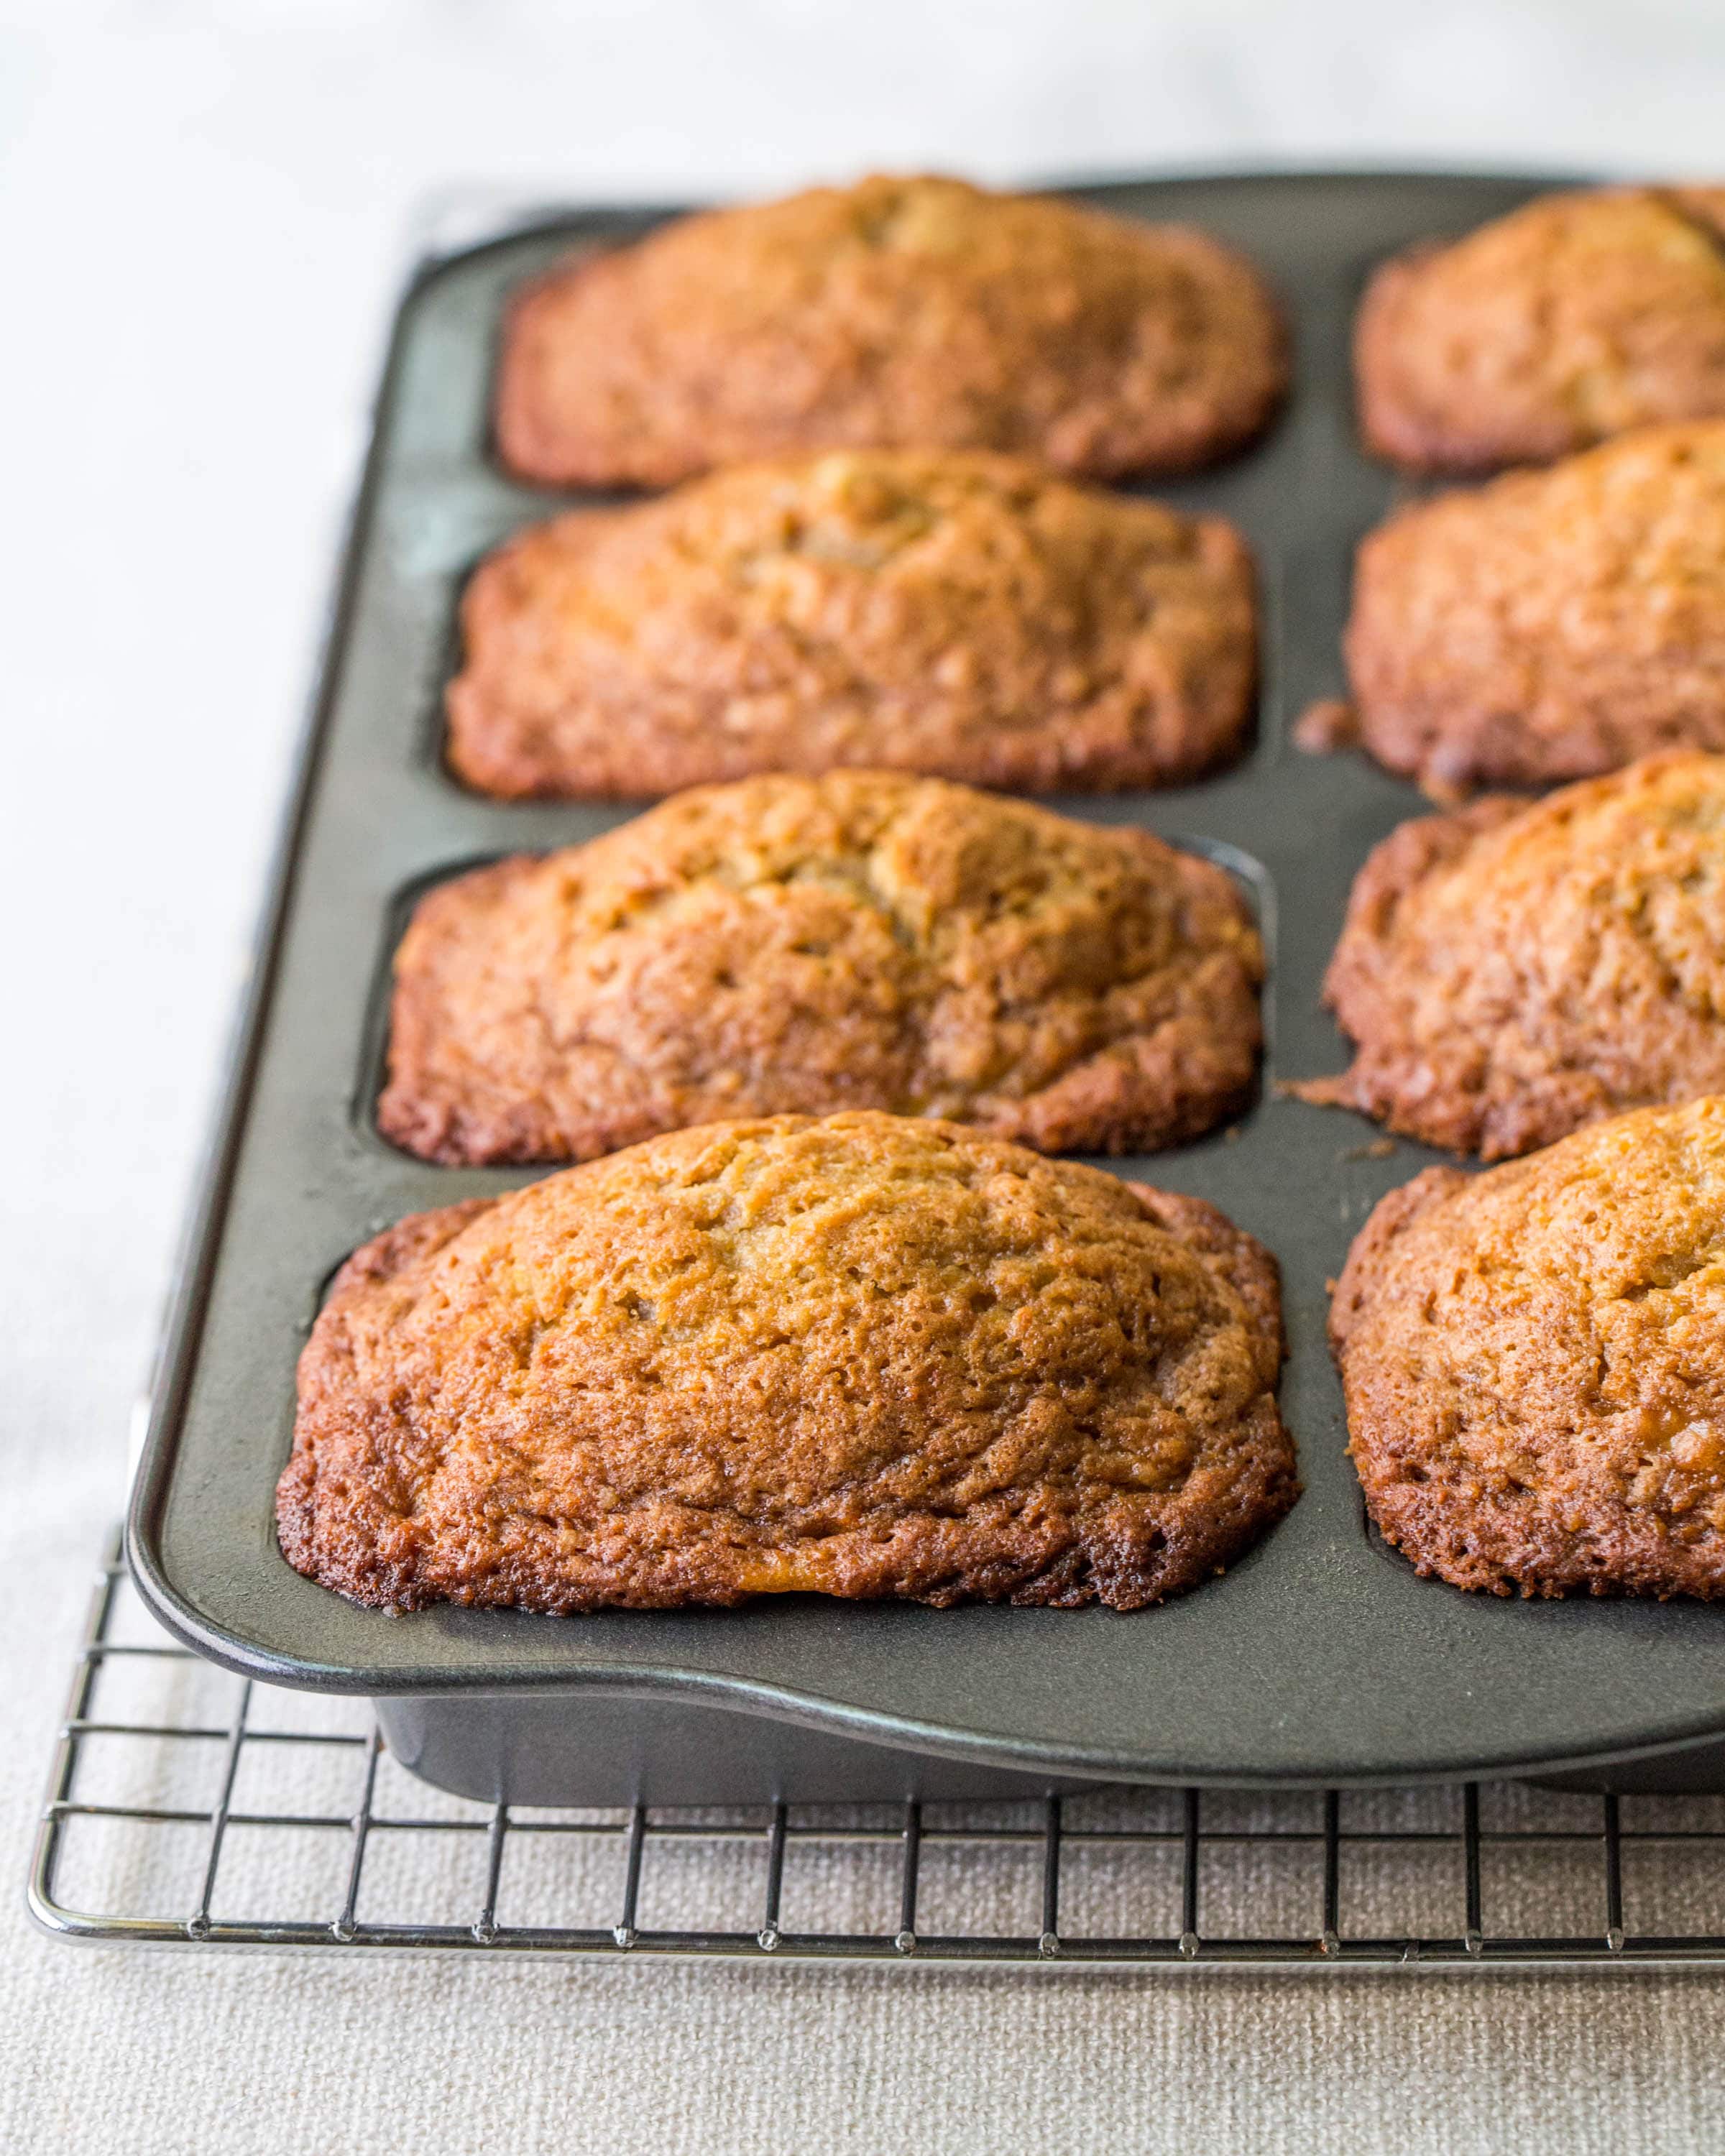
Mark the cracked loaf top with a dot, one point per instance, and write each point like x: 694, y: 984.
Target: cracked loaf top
x: 1571, y: 319
x: 1512, y: 972
x: 865, y: 1357
x: 897, y: 313
x: 966, y: 616
x: 860, y: 940
x: 1534, y: 1362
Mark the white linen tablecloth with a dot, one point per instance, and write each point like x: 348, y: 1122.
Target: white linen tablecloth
x: 202, y: 207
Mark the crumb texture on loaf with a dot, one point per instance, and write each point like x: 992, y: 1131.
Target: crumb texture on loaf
x: 1574, y: 319
x: 1534, y: 1363
x: 970, y: 617
x: 866, y: 1356
x: 1512, y: 972
x: 916, y: 312
x: 863, y: 940
x: 1550, y: 625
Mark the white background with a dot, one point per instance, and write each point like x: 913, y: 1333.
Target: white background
x: 201, y: 212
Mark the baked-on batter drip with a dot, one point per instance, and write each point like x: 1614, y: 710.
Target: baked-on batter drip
x: 966, y: 616
x: 1534, y: 1363
x: 862, y: 1356
x: 1572, y: 320
x: 1512, y: 972
x: 1550, y: 625
x: 908, y: 313
x: 795, y: 944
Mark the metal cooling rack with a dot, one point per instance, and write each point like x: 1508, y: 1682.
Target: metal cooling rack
x: 190, y: 1808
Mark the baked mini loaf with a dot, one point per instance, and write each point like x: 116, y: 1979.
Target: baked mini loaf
x: 968, y: 616
x: 918, y: 313
x: 1534, y: 1362
x: 1514, y: 971
x: 862, y: 1356
x: 1571, y: 319
x: 863, y: 940
x: 1551, y: 625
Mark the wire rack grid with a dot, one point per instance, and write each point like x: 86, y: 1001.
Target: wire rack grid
x: 189, y: 1808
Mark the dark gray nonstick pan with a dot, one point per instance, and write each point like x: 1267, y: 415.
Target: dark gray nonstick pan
x: 1319, y: 1660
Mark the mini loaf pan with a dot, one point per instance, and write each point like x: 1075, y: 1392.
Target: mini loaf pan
x: 1321, y: 1659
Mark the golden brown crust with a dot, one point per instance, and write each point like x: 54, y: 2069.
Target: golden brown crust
x: 897, y: 313
x: 863, y: 940
x: 1534, y: 1363
x: 1512, y: 971
x: 862, y: 1356
x: 970, y: 617
x: 1552, y: 624
x: 1572, y: 320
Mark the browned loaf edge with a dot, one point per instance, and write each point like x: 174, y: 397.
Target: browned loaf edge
x: 862, y: 940
x: 970, y: 617
x: 1574, y: 319
x: 887, y: 1358
x: 900, y: 312
x: 1533, y: 1367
